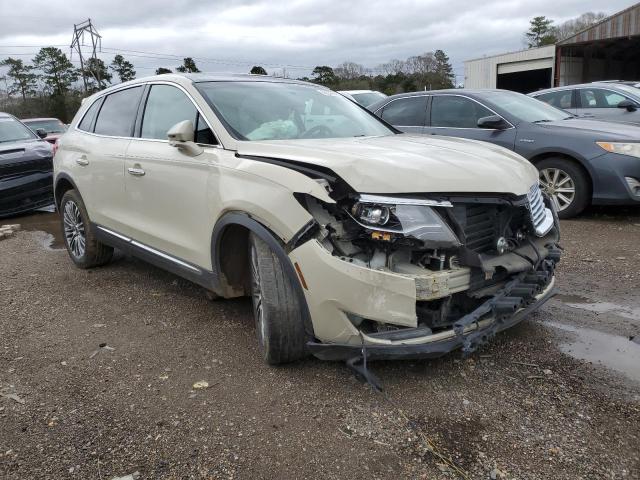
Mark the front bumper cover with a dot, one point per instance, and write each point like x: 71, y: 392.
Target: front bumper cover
x: 482, y: 329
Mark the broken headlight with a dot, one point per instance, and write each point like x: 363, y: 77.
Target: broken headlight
x: 410, y: 217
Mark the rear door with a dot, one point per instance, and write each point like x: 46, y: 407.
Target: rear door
x: 98, y: 155
x: 167, y: 191
x: 407, y: 114
x: 603, y: 103
x: 458, y: 115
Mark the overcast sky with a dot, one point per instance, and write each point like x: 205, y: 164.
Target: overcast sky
x: 232, y: 35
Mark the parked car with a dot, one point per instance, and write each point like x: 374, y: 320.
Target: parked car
x: 54, y: 127
x: 26, y: 180
x: 348, y: 236
x: 580, y: 161
x: 363, y: 97
x: 611, y: 101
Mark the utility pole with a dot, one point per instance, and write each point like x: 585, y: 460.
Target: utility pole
x: 79, y: 32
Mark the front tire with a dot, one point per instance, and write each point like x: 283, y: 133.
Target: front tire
x: 566, y: 184
x: 82, y: 245
x: 276, y: 306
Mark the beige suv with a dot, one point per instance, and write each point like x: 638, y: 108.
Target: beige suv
x: 351, y: 238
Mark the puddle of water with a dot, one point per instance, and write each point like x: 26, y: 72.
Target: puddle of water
x: 42, y: 220
x: 576, y: 301
x: 612, y: 351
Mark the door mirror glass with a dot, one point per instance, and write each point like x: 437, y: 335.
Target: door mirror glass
x: 628, y: 105
x: 495, y: 122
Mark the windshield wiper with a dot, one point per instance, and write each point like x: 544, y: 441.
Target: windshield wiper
x: 542, y: 121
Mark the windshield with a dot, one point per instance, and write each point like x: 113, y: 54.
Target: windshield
x: 527, y: 109
x: 633, y: 90
x: 49, y: 126
x: 366, y: 99
x: 285, y: 111
x: 12, y: 130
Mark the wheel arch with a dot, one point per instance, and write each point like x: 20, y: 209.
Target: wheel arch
x: 535, y: 160
x: 230, y: 257
x: 63, y: 183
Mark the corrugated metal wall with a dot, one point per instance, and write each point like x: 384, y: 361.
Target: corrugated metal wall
x: 623, y: 24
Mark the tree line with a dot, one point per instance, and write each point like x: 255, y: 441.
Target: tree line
x: 542, y: 30
x: 50, y: 85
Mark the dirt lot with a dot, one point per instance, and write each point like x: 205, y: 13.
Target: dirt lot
x: 556, y: 397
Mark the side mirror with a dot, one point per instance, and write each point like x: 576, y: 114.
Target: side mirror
x: 629, y: 105
x: 41, y: 133
x: 181, y: 137
x: 494, y: 122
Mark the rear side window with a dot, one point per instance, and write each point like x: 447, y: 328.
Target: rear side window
x: 456, y: 112
x: 89, y: 116
x: 561, y: 99
x: 406, y: 112
x: 118, y: 113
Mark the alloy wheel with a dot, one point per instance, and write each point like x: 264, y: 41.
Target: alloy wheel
x: 256, y: 295
x: 559, y: 185
x: 74, y: 229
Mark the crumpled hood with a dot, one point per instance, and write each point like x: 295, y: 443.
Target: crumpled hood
x: 408, y: 163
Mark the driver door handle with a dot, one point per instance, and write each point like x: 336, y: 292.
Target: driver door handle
x: 82, y: 161
x: 136, y: 171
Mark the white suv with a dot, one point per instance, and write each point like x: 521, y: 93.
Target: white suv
x: 352, y: 239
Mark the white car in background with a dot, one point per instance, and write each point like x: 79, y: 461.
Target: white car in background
x: 363, y: 97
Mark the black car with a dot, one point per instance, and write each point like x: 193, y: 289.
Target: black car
x: 26, y: 177
x: 580, y: 161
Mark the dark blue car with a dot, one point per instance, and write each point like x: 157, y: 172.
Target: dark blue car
x: 580, y: 161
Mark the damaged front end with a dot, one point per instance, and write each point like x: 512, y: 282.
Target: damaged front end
x: 426, y: 273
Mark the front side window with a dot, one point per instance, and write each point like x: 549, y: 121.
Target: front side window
x: 166, y: 106
x: 456, y: 112
x: 600, y: 98
x: 561, y: 99
x: 118, y: 113
x: 406, y: 112
x: 12, y: 130
x: 285, y: 111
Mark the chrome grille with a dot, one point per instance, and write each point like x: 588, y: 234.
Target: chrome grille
x: 536, y: 206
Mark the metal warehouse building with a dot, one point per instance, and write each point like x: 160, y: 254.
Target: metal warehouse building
x: 608, y: 50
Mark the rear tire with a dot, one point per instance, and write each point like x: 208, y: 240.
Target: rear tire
x: 276, y: 306
x: 566, y: 184
x: 82, y: 245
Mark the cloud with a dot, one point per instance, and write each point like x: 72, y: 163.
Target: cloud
x: 231, y: 35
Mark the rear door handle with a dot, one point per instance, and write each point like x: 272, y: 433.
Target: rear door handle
x: 137, y: 172
x: 82, y: 161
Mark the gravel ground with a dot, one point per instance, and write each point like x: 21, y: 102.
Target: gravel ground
x: 520, y: 408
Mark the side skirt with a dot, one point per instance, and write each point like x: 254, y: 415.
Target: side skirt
x: 186, y: 270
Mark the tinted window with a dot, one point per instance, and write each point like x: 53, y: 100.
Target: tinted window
x: 599, y: 98
x: 456, y: 112
x: 118, y: 113
x: 406, y: 112
x: 204, y: 133
x: 87, y: 120
x: 561, y: 99
x: 369, y: 98
x: 166, y: 106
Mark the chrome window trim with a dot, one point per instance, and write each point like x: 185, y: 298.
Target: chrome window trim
x: 470, y: 128
x: 401, y: 98
x: 142, y: 84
